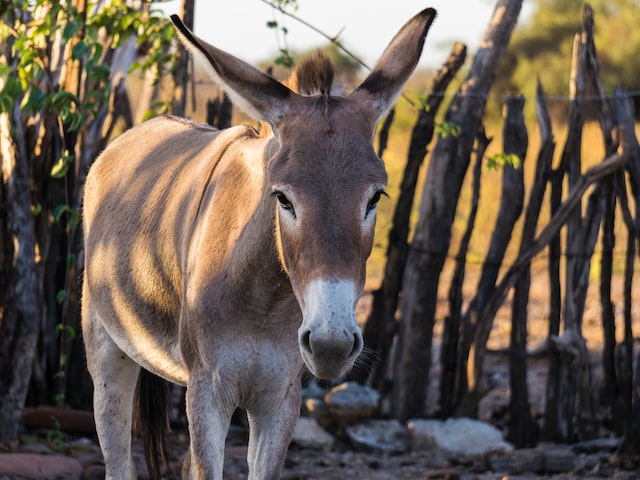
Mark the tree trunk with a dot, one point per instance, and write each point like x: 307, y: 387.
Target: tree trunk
x: 552, y: 393
x: 19, y: 317
x: 591, y: 176
x: 41, y: 257
x: 449, y: 163
x: 380, y: 327
x: 181, y: 71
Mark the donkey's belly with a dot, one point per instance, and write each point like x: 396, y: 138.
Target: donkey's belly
x: 152, y: 348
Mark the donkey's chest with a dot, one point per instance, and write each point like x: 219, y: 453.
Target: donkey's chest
x: 243, y: 333
x: 249, y: 359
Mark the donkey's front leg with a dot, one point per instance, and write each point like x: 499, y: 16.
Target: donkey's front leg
x: 271, y: 424
x: 209, y: 412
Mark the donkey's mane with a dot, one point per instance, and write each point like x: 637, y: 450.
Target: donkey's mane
x: 312, y: 76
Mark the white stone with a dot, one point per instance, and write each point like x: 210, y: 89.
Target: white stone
x: 385, y: 435
x: 308, y: 434
x: 351, y: 402
x: 457, y: 436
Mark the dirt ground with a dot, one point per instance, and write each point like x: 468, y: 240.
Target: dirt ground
x: 346, y: 462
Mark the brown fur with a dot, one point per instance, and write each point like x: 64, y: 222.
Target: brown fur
x: 313, y: 76
x: 229, y: 261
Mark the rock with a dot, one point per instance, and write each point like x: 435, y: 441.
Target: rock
x: 386, y: 435
x: 597, y: 445
x: 558, y: 460
x: 519, y: 461
x: 94, y: 472
x: 352, y: 402
x: 313, y: 390
x: 309, y: 434
x: 85, y: 451
x: 32, y: 465
x: 319, y: 411
x: 459, y: 436
x: 66, y: 419
x: 539, y: 460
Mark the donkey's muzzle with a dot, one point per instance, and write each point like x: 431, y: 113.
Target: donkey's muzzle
x: 329, y: 337
x: 330, y: 356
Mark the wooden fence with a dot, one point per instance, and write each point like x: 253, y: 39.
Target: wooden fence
x: 400, y: 326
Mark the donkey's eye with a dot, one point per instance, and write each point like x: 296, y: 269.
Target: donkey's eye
x: 373, y: 203
x: 284, y: 202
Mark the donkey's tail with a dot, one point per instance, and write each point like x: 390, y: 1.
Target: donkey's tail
x: 151, y: 419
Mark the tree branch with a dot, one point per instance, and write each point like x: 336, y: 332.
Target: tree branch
x: 331, y: 39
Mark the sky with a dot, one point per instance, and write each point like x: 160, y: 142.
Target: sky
x: 365, y: 26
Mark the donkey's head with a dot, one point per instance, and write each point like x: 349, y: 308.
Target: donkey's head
x: 325, y: 180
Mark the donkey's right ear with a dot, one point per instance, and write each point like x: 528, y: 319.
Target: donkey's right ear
x: 253, y: 91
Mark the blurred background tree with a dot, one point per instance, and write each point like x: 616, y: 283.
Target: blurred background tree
x: 63, y: 67
x: 542, y: 43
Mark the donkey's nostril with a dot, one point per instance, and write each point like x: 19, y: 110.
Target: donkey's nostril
x: 357, y: 345
x: 305, y: 341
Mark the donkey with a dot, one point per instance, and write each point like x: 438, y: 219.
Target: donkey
x: 228, y: 261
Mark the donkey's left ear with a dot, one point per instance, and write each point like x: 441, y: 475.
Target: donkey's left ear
x: 253, y: 91
x: 399, y: 60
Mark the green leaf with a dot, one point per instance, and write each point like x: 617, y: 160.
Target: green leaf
x: 61, y: 167
x: 445, y: 129
x: 74, y: 215
x: 272, y: 24
x: 66, y: 330
x: 100, y: 72
x: 36, y: 209
x: 502, y: 160
x: 5, y: 69
x: 60, y: 296
x: 70, y: 31
x: 62, y: 99
x: 79, y: 50
x: 77, y: 120
x: 285, y: 59
x: 71, y: 259
x: 9, y: 93
x: 34, y: 100
x: 27, y: 57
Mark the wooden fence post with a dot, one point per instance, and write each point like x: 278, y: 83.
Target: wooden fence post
x: 449, y: 163
x: 624, y: 404
x: 453, y: 382
x: 381, y: 325
x: 511, y: 204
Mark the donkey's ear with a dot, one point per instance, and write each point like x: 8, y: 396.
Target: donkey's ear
x: 399, y: 60
x: 253, y: 91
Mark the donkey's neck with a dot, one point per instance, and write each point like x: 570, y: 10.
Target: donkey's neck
x: 255, y: 268
x: 237, y: 227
